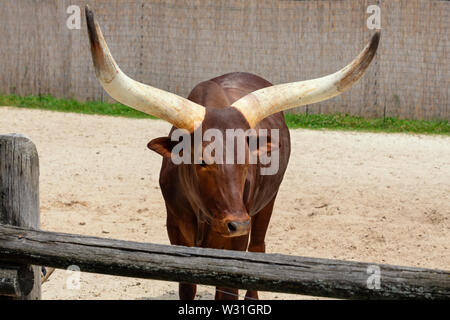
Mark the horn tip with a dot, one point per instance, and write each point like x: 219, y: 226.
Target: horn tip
x: 92, y: 30
x: 375, y: 40
x: 87, y: 9
x: 97, y: 50
x: 89, y: 17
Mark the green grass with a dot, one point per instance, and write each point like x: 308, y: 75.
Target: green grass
x: 309, y: 121
x: 48, y: 102
x: 353, y: 123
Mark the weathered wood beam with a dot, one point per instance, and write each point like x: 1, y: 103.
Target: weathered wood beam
x: 19, y: 201
x: 265, y: 272
x: 16, y: 281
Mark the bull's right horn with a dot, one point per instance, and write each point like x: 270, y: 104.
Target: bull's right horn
x: 262, y: 103
x: 180, y: 112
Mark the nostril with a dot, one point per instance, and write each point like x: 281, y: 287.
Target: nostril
x: 232, y: 227
x: 237, y: 227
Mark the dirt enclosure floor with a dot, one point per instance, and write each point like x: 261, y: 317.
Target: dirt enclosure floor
x: 381, y: 198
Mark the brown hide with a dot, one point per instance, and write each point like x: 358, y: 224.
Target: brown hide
x: 211, y: 205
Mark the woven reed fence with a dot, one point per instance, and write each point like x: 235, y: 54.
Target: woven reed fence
x: 175, y: 44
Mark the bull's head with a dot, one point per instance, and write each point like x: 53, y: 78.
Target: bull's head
x: 217, y: 189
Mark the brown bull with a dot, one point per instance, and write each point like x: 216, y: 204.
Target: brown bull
x: 210, y: 204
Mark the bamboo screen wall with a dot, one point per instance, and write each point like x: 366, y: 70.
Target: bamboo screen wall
x: 175, y: 44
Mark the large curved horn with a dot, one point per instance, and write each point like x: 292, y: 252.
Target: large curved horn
x: 181, y: 112
x: 261, y: 103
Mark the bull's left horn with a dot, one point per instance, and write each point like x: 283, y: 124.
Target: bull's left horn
x: 180, y: 112
x: 262, y: 103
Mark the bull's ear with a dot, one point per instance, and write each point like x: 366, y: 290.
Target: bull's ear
x: 162, y: 145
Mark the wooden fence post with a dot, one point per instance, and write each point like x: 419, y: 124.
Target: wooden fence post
x: 19, y: 206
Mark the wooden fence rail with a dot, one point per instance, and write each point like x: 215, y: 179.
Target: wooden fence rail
x: 245, y: 270
x: 23, y: 248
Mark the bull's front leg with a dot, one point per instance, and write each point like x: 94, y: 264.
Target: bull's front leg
x: 187, y: 291
x: 260, y: 223
x: 180, y: 237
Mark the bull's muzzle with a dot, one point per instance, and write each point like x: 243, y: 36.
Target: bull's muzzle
x: 238, y: 228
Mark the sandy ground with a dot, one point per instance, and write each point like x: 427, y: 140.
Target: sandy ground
x: 381, y: 198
